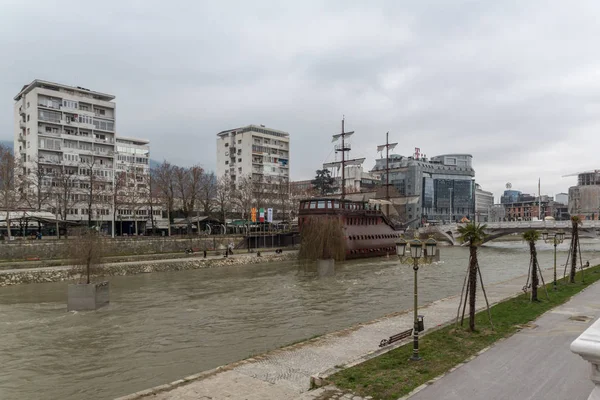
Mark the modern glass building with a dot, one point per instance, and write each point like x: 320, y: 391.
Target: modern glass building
x: 444, y: 186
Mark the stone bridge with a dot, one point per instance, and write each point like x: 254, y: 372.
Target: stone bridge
x: 495, y: 230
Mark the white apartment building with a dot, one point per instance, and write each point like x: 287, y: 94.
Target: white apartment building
x: 135, y: 210
x: 66, y: 131
x: 257, y: 151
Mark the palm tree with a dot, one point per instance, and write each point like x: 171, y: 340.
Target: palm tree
x: 575, y: 222
x: 474, y: 234
x: 531, y: 236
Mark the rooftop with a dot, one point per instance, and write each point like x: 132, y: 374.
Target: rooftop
x: 51, y: 85
x: 137, y: 141
x: 254, y: 128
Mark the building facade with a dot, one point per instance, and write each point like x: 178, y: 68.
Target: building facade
x: 584, y: 199
x: 136, y: 210
x: 256, y: 151
x: 443, y: 186
x: 562, y: 198
x: 65, y: 143
x: 484, y: 202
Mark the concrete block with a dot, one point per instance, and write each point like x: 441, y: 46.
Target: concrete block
x: 326, y: 267
x: 86, y: 297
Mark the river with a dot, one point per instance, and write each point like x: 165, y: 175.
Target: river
x: 160, y: 327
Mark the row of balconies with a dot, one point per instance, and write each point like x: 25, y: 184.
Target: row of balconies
x: 93, y: 112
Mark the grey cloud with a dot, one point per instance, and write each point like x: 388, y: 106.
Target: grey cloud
x: 513, y: 83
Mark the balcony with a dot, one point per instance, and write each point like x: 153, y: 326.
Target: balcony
x: 50, y: 106
x: 21, y: 124
x: 54, y: 134
x: 55, y: 148
x: 107, y: 140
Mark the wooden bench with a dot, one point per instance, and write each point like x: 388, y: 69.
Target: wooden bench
x: 395, y: 338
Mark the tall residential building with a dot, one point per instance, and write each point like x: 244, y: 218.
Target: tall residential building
x: 256, y: 151
x: 64, y: 141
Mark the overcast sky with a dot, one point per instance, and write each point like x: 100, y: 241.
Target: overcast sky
x: 514, y: 83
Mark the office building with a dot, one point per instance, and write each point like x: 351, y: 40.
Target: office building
x: 437, y: 190
x: 562, y: 198
x: 484, y: 202
x: 584, y: 199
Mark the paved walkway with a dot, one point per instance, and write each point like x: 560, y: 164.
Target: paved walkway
x: 285, y: 373
x: 534, y: 364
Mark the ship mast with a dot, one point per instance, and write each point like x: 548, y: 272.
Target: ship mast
x: 388, y: 146
x: 343, y: 148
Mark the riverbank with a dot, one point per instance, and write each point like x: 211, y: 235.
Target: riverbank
x: 288, y: 372
x: 21, y: 275
x: 392, y: 375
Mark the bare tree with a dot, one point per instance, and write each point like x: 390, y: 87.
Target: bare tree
x: 152, y: 198
x: 119, y: 195
x: 244, y: 195
x: 97, y: 185
x: 208, y: 193
x: 63, y: 189
x: 88, y: 252
x: 164, y: 180
x: 188, y: 182
x: 9, y: 184
x: 224, y: 196
x: 36, y: 185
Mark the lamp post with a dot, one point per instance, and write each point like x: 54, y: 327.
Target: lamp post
x: 451, y: 210
x: 414, y: 258
x: 556, y: 239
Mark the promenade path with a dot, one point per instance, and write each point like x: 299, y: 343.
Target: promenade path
x: 534, y: 364
x: 285, y: 373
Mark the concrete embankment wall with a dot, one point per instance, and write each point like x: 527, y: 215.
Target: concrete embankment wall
x: 52, y: 249
x: 57, y: 274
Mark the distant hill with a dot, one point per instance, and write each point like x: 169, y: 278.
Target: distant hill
x: 8, y: 143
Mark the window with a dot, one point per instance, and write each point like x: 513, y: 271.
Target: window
x: 239, y: 142
x: 28, y: 117
x: 239, y: 160
x: 321, y: 204
x: 226, y: 162
x: 27, y: 104
x: 70, y: 104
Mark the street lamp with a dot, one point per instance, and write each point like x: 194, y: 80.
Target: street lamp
x: 556, y: 239
x: 415, y: 258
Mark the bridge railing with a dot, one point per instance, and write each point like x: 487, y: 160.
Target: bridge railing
x: 523, y: 225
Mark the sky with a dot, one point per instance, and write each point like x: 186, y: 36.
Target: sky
x: 514, y: 83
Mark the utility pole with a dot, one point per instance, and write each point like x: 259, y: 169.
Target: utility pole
x: 388, y: 146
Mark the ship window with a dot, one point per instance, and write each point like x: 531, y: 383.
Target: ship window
x: 321, y: 204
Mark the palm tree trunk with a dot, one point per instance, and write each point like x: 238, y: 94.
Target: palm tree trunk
x: 472, y: 285
x: 574, y: 243
x: 534, y: 272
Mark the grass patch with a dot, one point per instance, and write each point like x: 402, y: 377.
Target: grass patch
x: 393, y: 375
